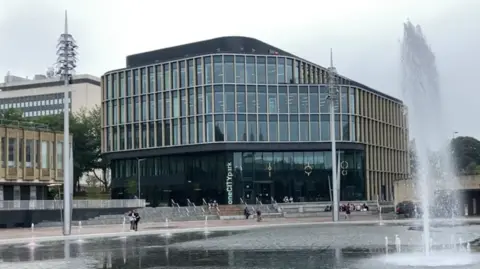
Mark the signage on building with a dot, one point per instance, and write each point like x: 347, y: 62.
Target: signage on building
x: 229, y: 183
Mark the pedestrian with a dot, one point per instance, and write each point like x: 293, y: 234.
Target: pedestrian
x: 259, y: 215
x: 246, y: 212
x: 131, y: 217
x: 136, y: 220
x: 347, y: 211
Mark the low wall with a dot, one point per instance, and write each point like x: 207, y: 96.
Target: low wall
x: 25, y: 218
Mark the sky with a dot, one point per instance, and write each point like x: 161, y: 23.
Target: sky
x: 364, y: 35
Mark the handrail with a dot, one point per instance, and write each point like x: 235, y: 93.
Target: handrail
x: 206, y: 205
x: 258, y: 201
x: 58, y: 204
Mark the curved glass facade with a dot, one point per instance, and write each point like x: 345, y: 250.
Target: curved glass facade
x: 222, y: 98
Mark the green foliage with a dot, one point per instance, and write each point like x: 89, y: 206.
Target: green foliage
x: 85, y: 127
x: 466, y: 154
x: 11, y: 114
x: 132, y: 186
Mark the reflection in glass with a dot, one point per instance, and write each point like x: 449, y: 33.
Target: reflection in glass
x: 175, y: 104
x: 303, y: 99
x: 129, y: 84
x: 218, y: 99
x: 353, y: 130
x: 294, y: 128
x: 190, y: 73
x: 208, y: 99
x: 166, y: 76
x: 230, y: 98
x: 166, y: 125
x: 182, y: 74
x: 293, y: 99
x: 251, y: 99
x: 159, y: 78
x: 175, y: 136
x: 217, y: 69
x: 239, y: 69
x: 252, y: 127
x: 262, y: 128
x: 159, y: 105
x: 151, y: 108
x: 345, y: 128
x: 272, y: 99
x: 208, y: 69
x: 200, y: 129
x: 219, y: 128
x: 338, y: 134
x: 229, y: 70
x: 167, y: 111
x: 183, y: 129
x: 230, y: 127
x: 324, y: 103
x: 200, y: 104
x: 261, y: 70
x: 282, y: 99
x: 251, y: 71
x: 271, y: 70
x: 314, y: 104
x: 314, y: 127
x: 296, y: 73
x: 289, y: 71
x: 151, y: 79
x: 325, y: 127
x: 198, y: 67
x: 262, y: 99
x: 175, y: 75
x: 273, y: 128
x: 241, y: 97
x: 344, y: 99
x: 191, y: 102
x: 283, y: 128
x: 351, y: 101
x: 136, y: 82
x: 242, y: 128
x: 183, y: 103
x: 281, y: 70
x: 304, y: 128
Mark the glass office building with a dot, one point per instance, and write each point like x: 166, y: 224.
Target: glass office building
x: 241, y: 119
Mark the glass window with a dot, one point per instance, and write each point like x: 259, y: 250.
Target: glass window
x: 282, y: 99
x: 183, y: 129
x: 293, y: 128
x: 344, y: 102
x: 159, y: 106
x: 200, y: 129
x: 129, y: 84
x: 353, y: 136
x: 325, y: 127
x: 351, y: 101
x: 241, y: 128
x: 208, y: 69
x: 151, y: 79
x: 217, y: 69
x: 241, y: 108
x: 175, y: 75
x: 208, y: 100
x: 281, y: 70
x: 239, y: 69
x: 199, y: 93
x: 209, y: 128
x: 273, y: 128
x: 251, y: 99
x: 175, y: 104
x: 252, y: 127
x: 29, y: 150
x: 262, y: 128
x: 166, y: 77
x: 45, y: 157
x: 122, y: 111
x: 122, y: 84
x: 283, y: 127
x: 144, y: 80
x: 167, y: 112
x: 296, y: 70
x: 191, y: 130
x: 272, y: 70
x: 129, y: 136
x: 136, y: 109
x: 191, y: 102
x: 338, y: 134
x: 175, y: 135
x: 151, y: 135
x: 272, y: 100
x: 183, y: 75
x: 115, y: 112
x: 324, y: 103
x: 219, y: 128
x: 314, y: 104
x: 12, y: 152
x: 151, y: 110
x: 230, y: 127
x: 198, y: 66
x: 159, y: 134
x: 345, y: 128
x: 136, y: 136
x: 251, y: 70
x: 144, y: 135
x: 230, y: 99
x: 262, y: 99
x: 304, y: 128
x: 136, y: 82
x: 122, y: 138
x: 144, y: 108
x: 229, y: 69
x: 261, y: 70
x: 289, y: 71
x: 183, y: 103
x: 129, y: 109
x: 314, y: 127
x: 218, y: 96
x: 191, y: 73
x: 303, y: 99
x: 293, y: 99
x: 159, y: 78
x: 167, y: 133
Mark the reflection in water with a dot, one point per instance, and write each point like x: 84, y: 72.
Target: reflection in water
x: 143, y: 252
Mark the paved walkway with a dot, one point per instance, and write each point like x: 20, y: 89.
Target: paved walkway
x: 19, y: 235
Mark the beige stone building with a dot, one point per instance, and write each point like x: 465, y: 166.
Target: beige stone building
x: 31, y: 158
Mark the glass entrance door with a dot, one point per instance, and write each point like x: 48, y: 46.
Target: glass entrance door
x: 264, y: 191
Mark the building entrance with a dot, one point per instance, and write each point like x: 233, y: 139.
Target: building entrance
x: 264, y: 191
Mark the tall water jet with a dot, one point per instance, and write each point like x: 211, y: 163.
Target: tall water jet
x: 428, y: 127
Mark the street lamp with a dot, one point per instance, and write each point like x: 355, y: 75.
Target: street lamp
x: 332, y: 97
x: 139, y: 161
x: 66, y: 52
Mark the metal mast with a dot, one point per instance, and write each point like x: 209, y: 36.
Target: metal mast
x: 333, y: 97
x: 66, y: 52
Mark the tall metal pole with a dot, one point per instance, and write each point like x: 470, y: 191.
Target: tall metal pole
x: 66, y: 51
x: 138, y: 178
x: 332, y: 95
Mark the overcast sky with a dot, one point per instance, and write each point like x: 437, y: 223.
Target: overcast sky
x: 364, y: 34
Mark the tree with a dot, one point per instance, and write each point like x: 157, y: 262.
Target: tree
x: 466, y: 154
x: 11, y: 114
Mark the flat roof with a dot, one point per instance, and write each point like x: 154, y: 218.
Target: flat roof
x: 226, y: 44
x: 48, y: 82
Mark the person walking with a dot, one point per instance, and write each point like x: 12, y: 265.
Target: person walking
x: 131, y: 217
x: 136, y: 219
